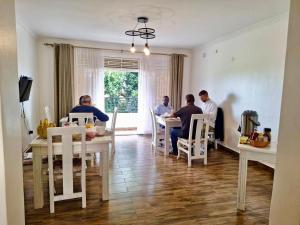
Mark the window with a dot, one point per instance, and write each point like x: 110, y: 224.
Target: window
x: 121, y: 84
x: 120, y: 90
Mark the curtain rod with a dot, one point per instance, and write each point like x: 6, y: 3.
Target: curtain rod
x: 116, y: 50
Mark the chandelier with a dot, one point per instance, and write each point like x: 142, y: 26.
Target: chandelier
x: 143, y: 32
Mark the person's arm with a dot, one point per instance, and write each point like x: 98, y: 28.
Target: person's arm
x: 177, y: 114
x: 74, y: 109
x: 100, y: 115
x: 157, y: 110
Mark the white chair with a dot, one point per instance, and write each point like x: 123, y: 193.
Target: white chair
x: 211, y: 133
x: 199, y: 144
x: 157, y: 134
x: 112, y: 129
x: 81, y: 117
x: 212, y: 138
x: 67, y: 164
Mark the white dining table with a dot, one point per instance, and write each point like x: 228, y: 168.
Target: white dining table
x: 168, y: 123
x: 265, y: 155
x: 40, y: 150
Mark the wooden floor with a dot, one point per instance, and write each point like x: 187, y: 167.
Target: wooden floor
x: 151, y: 189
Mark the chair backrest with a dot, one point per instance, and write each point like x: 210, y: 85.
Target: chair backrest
x: 114, y: 119
x: 154, y: 125
x: 81, y: 117
x: 66, y: 134
x: 47, y: 113
x: 201, y: 135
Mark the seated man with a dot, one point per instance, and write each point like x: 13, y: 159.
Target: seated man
x: 85, y: 106
x: 185, y: 115
x: 164, y: 107
x: 208, y: 106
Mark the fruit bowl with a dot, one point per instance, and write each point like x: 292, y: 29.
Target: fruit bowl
x: 259, y: 144
x: 91, y: 132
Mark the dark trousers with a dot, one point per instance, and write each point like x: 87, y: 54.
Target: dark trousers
x: 175, y: 134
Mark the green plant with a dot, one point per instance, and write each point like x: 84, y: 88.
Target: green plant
x: 121, y: 90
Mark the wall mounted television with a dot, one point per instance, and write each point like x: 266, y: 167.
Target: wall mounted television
x: 24, y: 88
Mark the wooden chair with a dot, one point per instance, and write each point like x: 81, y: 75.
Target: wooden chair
x: 157, y: 134
x: 199, y: 144
x: 67, y: 164
x: 112, y: 129
x: 81, y: 117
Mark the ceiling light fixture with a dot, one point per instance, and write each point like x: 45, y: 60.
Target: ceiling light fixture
x: 143, y: 32
x: 132, y: 49
x: 146, y: 49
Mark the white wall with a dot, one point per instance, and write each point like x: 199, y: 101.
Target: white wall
x: 242, y: 71
x: 10, y: 117
x: 3, y: 211
x: 27, y: 66
x: 285, y: 204
x: 46, y: 65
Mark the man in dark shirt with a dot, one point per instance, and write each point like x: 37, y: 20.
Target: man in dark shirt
x: 85, y: 106
x: 185, y: 115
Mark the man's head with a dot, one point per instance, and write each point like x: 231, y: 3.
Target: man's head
x: 166, y: 100
x: 190, y: 99
x: 85, y: 100
x: 203, y: 95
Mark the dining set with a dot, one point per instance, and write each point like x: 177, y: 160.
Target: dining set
x: 66, y: 144
x: 195, y: 147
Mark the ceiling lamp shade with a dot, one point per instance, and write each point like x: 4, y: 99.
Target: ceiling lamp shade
x: 146, y: 49
x: 132, y: 49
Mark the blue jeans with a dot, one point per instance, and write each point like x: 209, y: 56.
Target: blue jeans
x: 175, y: 134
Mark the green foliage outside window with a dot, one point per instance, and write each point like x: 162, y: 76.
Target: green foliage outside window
x: 121, y: 90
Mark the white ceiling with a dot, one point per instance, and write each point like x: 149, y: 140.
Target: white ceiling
x: 179, y: 23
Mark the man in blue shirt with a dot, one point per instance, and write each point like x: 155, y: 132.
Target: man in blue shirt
x: 164, y: 107
x: 85, y: 106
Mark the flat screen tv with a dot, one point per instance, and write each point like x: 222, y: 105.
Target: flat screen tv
x: 24, y: 88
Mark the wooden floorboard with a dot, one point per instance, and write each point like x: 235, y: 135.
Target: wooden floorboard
x: 147, y: 188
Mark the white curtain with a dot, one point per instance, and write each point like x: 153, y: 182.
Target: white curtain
x: 154, y: 83
x: 89, y: 75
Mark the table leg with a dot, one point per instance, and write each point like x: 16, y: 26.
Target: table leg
x: 101, y: 164
x: 105, y: 172
x: 242, y: 182
x: 167, y: 139
x: 37, y: 179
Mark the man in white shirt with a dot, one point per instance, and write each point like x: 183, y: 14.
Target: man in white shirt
x: 208, y: 106
x: 164, y: 107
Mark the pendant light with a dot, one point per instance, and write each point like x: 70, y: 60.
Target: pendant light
x: 143, y: 32
x: 132, y: 49
x: 146, y: 49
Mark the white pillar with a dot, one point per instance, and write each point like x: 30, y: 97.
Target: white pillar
x: 285, y: 204
x: 10, y: 116
x: 3, y: 209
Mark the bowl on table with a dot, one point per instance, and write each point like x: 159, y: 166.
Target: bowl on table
x: 259, y: 144
x: 91, y: 132
x: 100, y: 130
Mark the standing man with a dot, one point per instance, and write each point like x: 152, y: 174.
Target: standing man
x: 185, y: 115
x: 164, y: 107
x: 208, y: 106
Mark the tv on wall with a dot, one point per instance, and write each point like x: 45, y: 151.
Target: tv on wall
x: 24, y: 88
